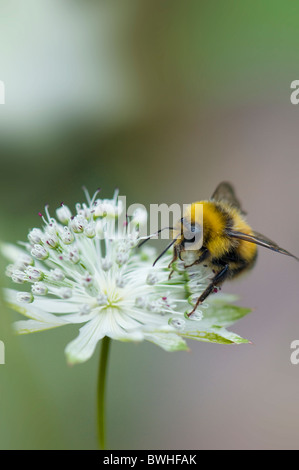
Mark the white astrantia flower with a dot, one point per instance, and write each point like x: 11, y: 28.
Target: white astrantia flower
x: 85, y: 269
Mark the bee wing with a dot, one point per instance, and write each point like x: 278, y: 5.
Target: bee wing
x: 225, y: 192
x: 261, y: 240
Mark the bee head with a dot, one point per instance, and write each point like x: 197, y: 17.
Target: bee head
x: 191, y: 234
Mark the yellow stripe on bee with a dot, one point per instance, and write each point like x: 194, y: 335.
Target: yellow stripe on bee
x: 214, y: 223
x: 208, y: 213
x: 246, y: 249
x: 213, y: 226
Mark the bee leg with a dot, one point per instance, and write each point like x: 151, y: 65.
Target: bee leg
x: 202, y: 257
x: 175, y: 257
x: 219, y: 278
x: 170, y: 274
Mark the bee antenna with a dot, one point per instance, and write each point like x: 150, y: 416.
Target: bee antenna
x: 164, y: 251
x: 153, y: 235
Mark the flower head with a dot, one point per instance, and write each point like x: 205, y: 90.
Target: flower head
x: 85, y: 268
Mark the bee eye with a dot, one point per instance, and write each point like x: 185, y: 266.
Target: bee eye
x: 192, y: 233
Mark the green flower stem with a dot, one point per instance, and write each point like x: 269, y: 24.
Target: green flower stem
x: 101, y: 390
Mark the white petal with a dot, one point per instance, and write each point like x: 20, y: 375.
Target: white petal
x: 56, y: 305
x: 112, y: 326
x: 29, y: 310
x: 79, y: 317
x: 145, y: 318
x: 167, y: 341
x: 119, y: 327
x: 82, y: 348
x: 103, y: 324
x: 11, y: 252
x: 30, y: 326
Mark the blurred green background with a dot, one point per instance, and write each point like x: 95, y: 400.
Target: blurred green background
x: 163, y: 100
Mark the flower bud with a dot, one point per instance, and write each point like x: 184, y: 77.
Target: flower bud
x: 39, y: 288
x: 39, y: 252
x: 25, y: 297
x: 63, y: 214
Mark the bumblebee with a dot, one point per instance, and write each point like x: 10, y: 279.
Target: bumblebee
x: 222, y: 240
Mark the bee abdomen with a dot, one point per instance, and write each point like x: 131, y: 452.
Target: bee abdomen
x: 236, y: 263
